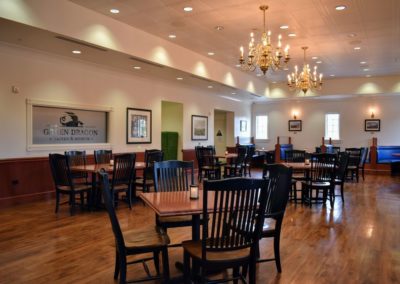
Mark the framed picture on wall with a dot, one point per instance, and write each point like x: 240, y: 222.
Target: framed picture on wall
x: 199, y: 127
x: 243, y: 125
x: 138, y: 126
x: 372, y: 125
x: 294, y: 125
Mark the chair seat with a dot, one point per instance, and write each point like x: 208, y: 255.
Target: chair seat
x: 268, y: 228
x: 194, y: 249
x: 175, y: 219
x: 145, y: 238
x: 77, y: 187
x: 139, y: 181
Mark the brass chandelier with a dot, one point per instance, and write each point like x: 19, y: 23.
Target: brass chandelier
x: 305, y: 80
x: 263, y: 54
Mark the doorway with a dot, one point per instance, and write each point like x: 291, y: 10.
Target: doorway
x: 223, y: 130
x: 171, y: 130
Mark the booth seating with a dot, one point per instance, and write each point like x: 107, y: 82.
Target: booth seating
x: 284, y: 148
x: 385, y: 155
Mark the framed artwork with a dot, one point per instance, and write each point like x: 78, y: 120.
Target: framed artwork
x: 62, y: 125
x: 372, y: 125
x: 294, y: 125
x: 199, y: 127
x: 138, y: 126
x: 243, y: 125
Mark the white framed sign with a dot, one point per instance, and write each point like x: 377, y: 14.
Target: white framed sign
x: 58, y: 125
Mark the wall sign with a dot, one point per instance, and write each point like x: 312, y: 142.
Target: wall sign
x: 61, y: 126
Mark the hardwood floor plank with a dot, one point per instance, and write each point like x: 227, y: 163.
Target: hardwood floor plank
x: 354, y: 242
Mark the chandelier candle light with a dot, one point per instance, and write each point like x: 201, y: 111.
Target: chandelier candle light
x: 305, y: 80
x: 263, y: 54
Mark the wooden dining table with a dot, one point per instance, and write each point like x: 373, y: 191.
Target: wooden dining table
x: 178, y: 203
x: 94, y: 169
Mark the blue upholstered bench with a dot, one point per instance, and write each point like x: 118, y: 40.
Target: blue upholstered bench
x: 385, y: 154
x: 284, y: 148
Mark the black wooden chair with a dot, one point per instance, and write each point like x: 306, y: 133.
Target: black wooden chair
x: 354, y: 162
x: 173, y: 176
x: 64, y: 183
x: 146, y: 181
x: 209, y: 166
x: 322, y: 178
x: 236, y: 167
x: 77, y: 158
x: 123, y: 176
x: 279, y: 183
x: 296, y: 156
x: 270, y: 157
x: 363, y: 160
x: 251, y: 150
x: 340, y: 179
x: 230, y: 238
x: 102, y: 156
x: 136, y: 241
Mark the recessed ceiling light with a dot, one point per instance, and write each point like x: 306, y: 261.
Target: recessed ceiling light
x: 292, y: 35
x: 314, y: 57
x: 233, y: 93
x: 273, y: 82
x: 340, y: 8
x: 363, y: 62
x: 114, y: 11
x: 366, y: 69
x: 352, y: 35
x: 76, y: 52
x: 210, y: 87
x: 368, y: 76
x: 179, y: 78
x: 237, y: 65
x: 211, y: 53
x: 284, y: 27
x: 286, y: 69
x: 332, y: 75
x: 172, y: 36
x: 137, y: 67
x: 357, y: 48
x: 319, y: 62
x: 259, y: 75
x: 219, y: 28
x: 188, y: 9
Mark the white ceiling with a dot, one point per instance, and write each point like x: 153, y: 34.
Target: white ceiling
x: 330, y: 35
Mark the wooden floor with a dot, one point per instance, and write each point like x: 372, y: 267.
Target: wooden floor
x: 358, y: 242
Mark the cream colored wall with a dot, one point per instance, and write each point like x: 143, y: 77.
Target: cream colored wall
x: 49, y: 77
x: 352, y: 112
x: 172, y: 120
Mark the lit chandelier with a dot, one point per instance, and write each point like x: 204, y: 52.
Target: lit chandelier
x: 263, y: 54
x: 305, y: 80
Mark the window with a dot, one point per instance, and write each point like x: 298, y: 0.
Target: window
x: 262, y: 127
x: 332, y: 126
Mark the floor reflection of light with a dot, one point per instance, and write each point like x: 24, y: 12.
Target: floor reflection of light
x: 369, y: 231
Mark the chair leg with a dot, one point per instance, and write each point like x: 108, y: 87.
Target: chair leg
x: 165, y: 263
x: 236, y: 275
x: 156, y: 258
x: 117, y: 262
x: 252, y: 271
x: 341, y: 190
x: 122, y: 275
x: 72, y: 205
x: 57, y: 201
x: 129, y: 196
x: 186, y: 267
x: 277, y: 252
x: 357, y: 175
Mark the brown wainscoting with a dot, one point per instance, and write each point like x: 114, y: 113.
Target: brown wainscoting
x: 29, y: 179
